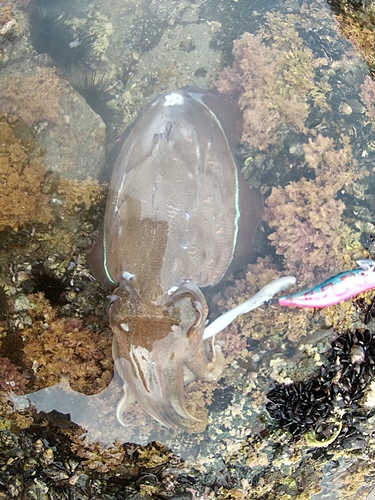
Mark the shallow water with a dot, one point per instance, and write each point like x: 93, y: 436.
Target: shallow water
x: 67, y: 93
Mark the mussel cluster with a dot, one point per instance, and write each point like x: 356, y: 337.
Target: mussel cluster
x: 314, y: 405
x: 354, y: 354
x: 366, y: 309
x: 300, y: 406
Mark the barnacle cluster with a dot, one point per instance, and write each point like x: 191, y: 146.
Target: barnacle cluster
x: 36, y: 468
x: 327, y: 404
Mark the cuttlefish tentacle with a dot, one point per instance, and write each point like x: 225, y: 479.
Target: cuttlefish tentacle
x: 156, y: 372
x: 170, y: 354
x: 156, y: 378
x: 161, y: 377
x: 172, y: 380
x: 207, y: 366
x: 195, y: 356
x: 204, y: 364
x: 185, y: 288
x: 127, y: 397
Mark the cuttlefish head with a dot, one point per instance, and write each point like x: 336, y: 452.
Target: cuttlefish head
x: 158, y: 348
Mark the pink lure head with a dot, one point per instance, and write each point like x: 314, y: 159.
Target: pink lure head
x: 336, y: 289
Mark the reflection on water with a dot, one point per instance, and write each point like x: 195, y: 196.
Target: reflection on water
x: 90, y: 412
x: 73, y: 76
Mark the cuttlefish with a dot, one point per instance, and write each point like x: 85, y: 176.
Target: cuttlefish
x: 179, y: 216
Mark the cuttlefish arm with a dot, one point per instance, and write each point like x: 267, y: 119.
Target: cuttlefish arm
x: 155, y: 367
x: 157, y: 381
x: 264, y: 295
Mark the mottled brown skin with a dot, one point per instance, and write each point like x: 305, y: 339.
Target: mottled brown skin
x: 172, y: 225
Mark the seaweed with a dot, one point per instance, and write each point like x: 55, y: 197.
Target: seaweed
x: 21, y: 173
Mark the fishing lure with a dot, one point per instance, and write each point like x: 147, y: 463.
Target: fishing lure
x: 335, y: 289
x: 265, y: 294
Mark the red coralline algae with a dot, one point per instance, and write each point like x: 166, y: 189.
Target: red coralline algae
x: 11, y: 380
x: 273, y: 77
x: 307, y: 216
x: 368, y: 97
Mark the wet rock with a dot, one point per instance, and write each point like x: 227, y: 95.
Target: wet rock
x: 69, y: 131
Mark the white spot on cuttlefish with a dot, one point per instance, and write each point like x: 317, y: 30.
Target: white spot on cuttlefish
x: 174, y: 99
x: 128, y: 276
